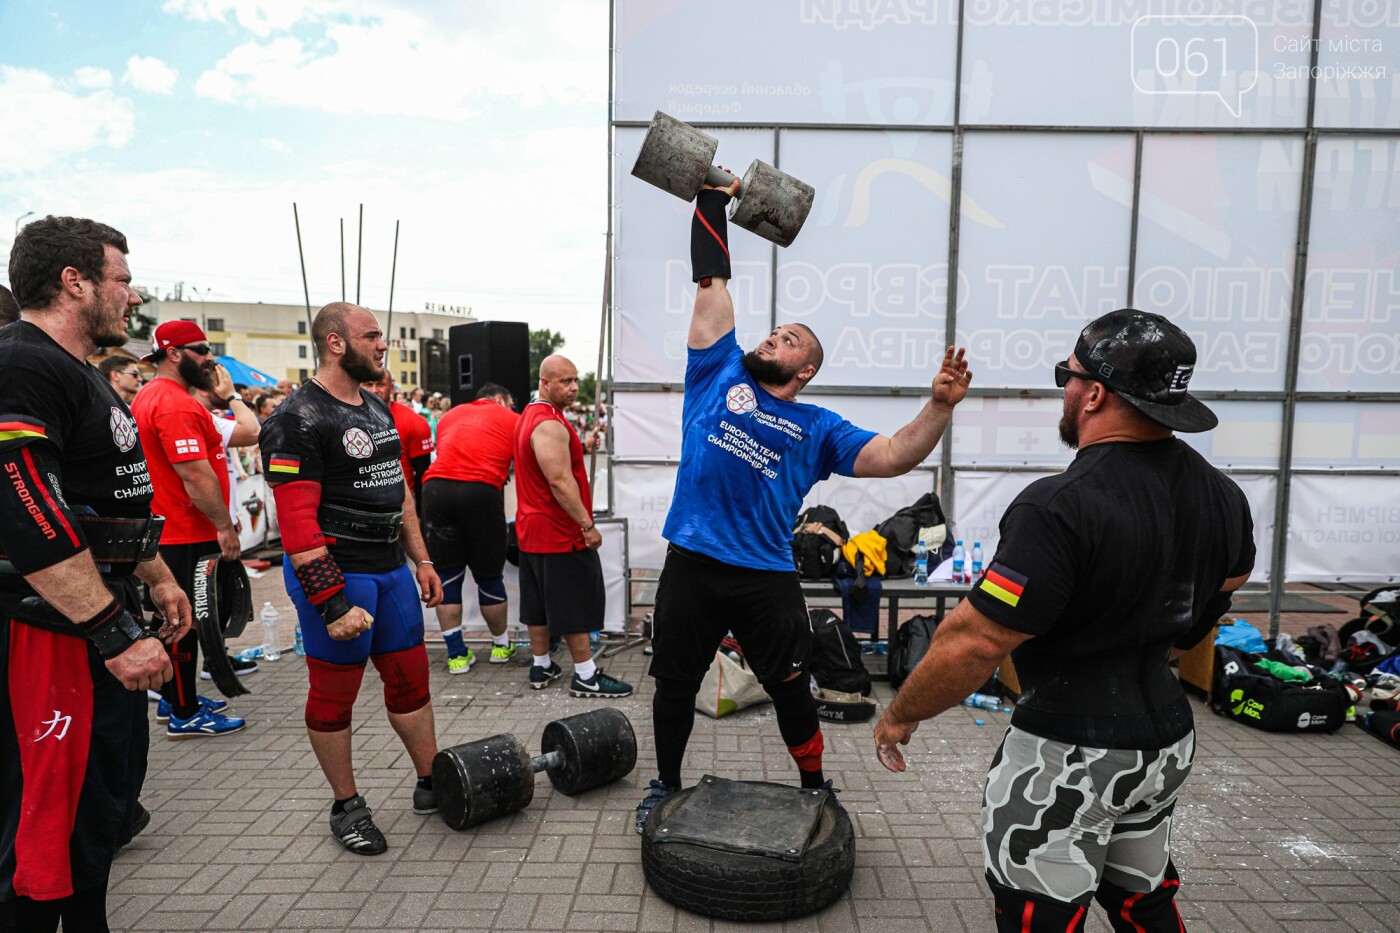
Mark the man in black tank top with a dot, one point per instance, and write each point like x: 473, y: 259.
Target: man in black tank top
x: 1104, y: 573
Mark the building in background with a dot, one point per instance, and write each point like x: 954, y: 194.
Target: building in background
x: 275, y: 338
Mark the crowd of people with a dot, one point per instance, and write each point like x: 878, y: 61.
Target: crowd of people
x: 116, y: 507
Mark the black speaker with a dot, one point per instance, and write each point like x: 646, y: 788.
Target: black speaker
x: 490, y: 351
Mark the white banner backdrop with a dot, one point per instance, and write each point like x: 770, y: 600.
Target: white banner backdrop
x: 1218, y: 63
x: 864, y: 503
x: 869, y: 273
x: 613, y: 555
x: 1358, y: 60
x: 1045, y: 227
x: 1225, y: 276
x: 839, y: 62
x: 982, y: 499
x: 1344, y: 528
x: 643, y: 499
x: 1351, y: 313
x: 652, y: 291
x: 1338, y: 435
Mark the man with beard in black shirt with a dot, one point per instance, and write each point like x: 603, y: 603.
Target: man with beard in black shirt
x: 1104, y: 573
x: 75, y: 531
x: 332, y: 454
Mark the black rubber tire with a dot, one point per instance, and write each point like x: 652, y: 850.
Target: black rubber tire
x: 732, y: 886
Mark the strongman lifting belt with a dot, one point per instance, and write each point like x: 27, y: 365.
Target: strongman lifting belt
x: 337, y: 521
x: 223, y: 604
x: 115, y: 540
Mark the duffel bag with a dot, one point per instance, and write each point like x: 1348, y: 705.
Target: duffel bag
x: 1246, y: 694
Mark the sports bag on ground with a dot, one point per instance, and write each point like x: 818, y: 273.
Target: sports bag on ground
x: 1246, y: 694
x: 814, y: 555
x: 836, y: 661
x: 910, y: 646
x: 901, y: 532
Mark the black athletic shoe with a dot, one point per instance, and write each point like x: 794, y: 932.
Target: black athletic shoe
x: 142, y: 820
x: 541, y: 677
x: 239, y: 667
x: 656, y: 792
x: 354, y: 828
x: 599, y: 685
x: 424, y: 801
x: 826, y: 785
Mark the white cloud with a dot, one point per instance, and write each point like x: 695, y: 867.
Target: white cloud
x: 276, y: 145
x: 444, y: 62
x: 260, y: 17
x: 87, y: 76
x: 149, y: 74
x: 43, y: 121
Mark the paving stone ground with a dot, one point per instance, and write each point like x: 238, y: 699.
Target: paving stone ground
x: 1273, y: 832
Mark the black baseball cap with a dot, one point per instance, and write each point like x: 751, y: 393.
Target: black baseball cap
x: 1148, y: 361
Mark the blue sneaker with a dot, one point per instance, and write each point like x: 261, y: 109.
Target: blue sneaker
x: 202, y: 724
x: 163, y: 708
x: 656, y: 792
x: 826, y: 785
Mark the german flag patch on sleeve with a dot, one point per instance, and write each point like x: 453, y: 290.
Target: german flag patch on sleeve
x: 284, y: 464
x: 1003, y: 583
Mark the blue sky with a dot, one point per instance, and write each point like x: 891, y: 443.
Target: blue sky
x: 192, y: 126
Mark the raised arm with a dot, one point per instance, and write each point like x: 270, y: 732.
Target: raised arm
x: 713, y: 316
x: 895, y: 456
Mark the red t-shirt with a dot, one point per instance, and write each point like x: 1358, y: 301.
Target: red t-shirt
x: 542, y: 526
x: 475, y: 443
x: 174, y: 428
x: 415, y: 437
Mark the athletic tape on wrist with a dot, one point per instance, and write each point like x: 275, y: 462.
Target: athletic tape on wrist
x: 709, y: 238
x: 113, y: 630
x: 333, y: 608
x: 320, y: 579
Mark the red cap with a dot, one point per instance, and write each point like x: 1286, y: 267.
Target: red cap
x: 174, y: 334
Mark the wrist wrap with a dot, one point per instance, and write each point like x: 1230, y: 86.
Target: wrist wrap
x: 112, y: 631
x: 709, y: 238
x: 320, y: 579
x: 334, y: 608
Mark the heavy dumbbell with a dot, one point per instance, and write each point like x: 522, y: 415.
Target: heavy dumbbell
x: 678, y: 158
x: 479, y: 781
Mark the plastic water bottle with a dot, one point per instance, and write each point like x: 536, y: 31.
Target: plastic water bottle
x: 298, y: 645
x: 249, y: 654
x: 959, y: 564
x: 976, y: 562
x: 920, y: 564
x: 270, y: 618
x: 982, y: 701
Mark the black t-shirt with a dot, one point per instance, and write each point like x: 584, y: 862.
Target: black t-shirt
x: 49, y: 397
x: 352, y: 451
x: 1109, y: 564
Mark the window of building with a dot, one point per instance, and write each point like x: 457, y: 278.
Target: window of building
x: 215, y: 323
x: 413, y: 356
x: 403, y: 377
x: 301, y: 351
x: 413, y: 333
x: 303, y: 375
x: 413, y: 377
x: 190, y: 319
x: 437, y: 333
x: 403, y: 356
x: 301, y: 327
x: 403, y: 333
x: 217, y: 349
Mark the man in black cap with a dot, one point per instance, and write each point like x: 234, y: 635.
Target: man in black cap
x: 1104, y: 573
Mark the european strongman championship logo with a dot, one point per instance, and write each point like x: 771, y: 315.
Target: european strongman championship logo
x: 357, y: 444
x: 123, y: 430
x: 741, y: 399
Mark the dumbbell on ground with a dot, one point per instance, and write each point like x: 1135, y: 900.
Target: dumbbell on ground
x: 678, y: 158
x: 479, y: 781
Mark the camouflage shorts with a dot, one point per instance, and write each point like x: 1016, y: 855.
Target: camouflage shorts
x: 1059, y: 818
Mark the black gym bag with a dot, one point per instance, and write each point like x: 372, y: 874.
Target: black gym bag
x: 814, y: 554
x: 909, y: 647
x: 836, y: 661
x: 1247, y: 694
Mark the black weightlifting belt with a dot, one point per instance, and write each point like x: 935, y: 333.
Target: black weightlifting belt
x: 353, y: 525
x: 1107, y: 702
x: 115, y: 541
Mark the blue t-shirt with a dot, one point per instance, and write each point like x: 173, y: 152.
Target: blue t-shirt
x: 748, y: 460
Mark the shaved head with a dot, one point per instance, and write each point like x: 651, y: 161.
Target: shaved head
x: 331, y: 320
x: 816, y: 355
x: 558, y: 380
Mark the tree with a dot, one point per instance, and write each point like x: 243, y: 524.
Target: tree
x: 542, y: 343
x: 588, y: 388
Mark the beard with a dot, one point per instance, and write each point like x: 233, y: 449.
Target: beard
x: 1069, y: 432
x: 195, y: 374
x: 769, y: 372
x: 360, y: 367
x: 104, y: 326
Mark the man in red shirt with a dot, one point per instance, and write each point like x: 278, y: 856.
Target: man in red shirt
x: 415, y: 436
x: 561, y: 577
x: 464, y: 517
x: 186, y: 458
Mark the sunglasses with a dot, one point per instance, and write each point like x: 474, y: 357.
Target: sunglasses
x: 201, y: 348
x: 1063, y: 374
x: 133, y: 373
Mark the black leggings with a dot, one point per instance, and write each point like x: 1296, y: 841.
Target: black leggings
x: 673, y: 718
x: 81, y: 912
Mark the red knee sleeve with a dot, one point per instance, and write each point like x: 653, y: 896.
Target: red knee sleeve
x: 808, y: 755
x: 332, y: 695
x: 405, y: 676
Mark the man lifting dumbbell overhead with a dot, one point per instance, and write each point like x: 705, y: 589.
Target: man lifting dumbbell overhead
x: 332, y: 455
x: 750, y: 452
